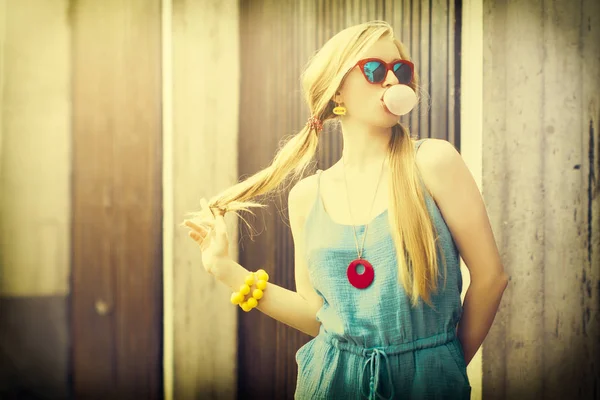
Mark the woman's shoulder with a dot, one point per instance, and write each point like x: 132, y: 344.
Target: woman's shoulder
x: 303, y: 193
x: 430, y: 151
x: 432, y: 157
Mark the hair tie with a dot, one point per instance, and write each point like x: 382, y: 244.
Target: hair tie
x: 315, y: 123
x: 221, y: 210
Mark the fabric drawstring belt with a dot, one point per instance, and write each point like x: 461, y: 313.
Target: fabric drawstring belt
x: 376, y: 355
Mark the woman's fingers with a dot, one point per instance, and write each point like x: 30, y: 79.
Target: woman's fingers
x: 194, y: 235
x: 198, y: 228
x: 197, y: 237
x: 211, y: 223
x: 220, y: 225
x: 198, y: 233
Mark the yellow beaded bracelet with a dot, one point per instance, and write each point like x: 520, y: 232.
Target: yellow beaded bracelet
x: 261, y: 278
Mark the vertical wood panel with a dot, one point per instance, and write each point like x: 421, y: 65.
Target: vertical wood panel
x: 416, y: 51
x: 3, y: 10
x: 34, y: 347
x: 453, y: 72
x: 34, y: 208
x: 404, y: 34
x: 424, y: 111
x: 34, y: 198
x: 205, y: 96
x: 284, y: 371
x: 469, y: 61
x: 117, y: 286
x: 272, y: 108
x: 438, y: 47
x: 257, y: 332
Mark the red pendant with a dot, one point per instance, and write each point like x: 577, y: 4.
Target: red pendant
x: 360, y: 281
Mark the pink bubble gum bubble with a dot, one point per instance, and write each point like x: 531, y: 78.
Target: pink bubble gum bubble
x: 400, y: 99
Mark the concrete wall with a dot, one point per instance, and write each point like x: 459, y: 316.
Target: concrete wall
x: 541, y: 171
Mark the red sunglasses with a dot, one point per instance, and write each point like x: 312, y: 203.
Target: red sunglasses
x: 375, y: 70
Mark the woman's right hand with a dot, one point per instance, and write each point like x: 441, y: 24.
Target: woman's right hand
x: 211, y: 235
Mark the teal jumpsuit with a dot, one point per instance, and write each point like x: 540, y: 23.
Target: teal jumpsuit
x: 371, y: 343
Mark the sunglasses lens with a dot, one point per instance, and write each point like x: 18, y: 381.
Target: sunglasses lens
x: 403, y: 73
x: 374, y: 71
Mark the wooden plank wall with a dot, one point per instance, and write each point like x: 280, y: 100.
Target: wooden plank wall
x: 80, y: 218
x: 202, y: 62
x: 116, y: 301
x: 541, y: 175
x: 277, y: 38
x: 34, y: 198
x: 35, y: 253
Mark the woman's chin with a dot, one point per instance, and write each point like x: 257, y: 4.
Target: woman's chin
x: 387, y: 121
x: 390, y: 119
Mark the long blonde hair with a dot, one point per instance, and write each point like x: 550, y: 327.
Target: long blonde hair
x: 410, y: 223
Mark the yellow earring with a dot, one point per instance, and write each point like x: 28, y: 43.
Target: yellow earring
x: 339, y: 110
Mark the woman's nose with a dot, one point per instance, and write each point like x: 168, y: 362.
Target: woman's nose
x: 390, y: 79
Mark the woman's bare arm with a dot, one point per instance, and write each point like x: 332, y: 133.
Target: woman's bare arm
x: 461, y: 204
x: 296, y: 309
